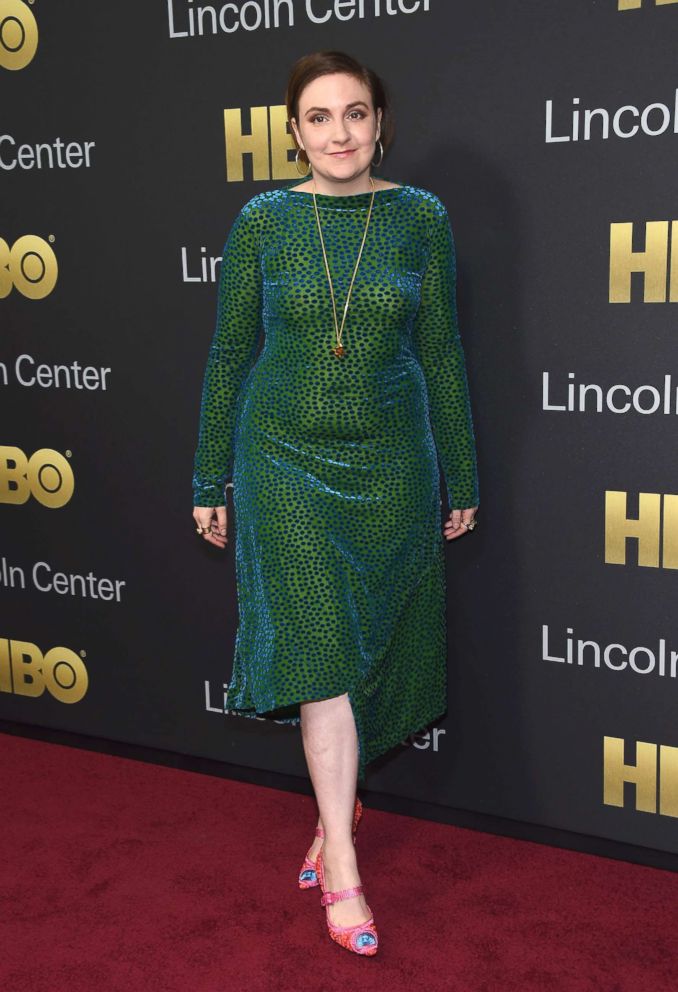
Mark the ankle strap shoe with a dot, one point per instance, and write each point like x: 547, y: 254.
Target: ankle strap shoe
x: 361, y: 938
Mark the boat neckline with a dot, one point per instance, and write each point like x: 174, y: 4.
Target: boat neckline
x: 341, y: 197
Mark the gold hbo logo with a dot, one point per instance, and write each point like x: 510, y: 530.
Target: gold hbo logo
x: 268, y: 142
x: 26, y: 671
x: 46, y: 475
x: 18, y: 34
x: 29, y: 266
x: 655, y: 529
x: 660, y: 276
x: 636, y: 4
x: 654, y: 776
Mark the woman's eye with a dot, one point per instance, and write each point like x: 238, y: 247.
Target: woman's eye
x: 322, y: 116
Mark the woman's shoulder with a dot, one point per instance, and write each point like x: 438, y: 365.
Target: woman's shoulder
x: 431, y: 203
x: 264, y: 201
x: 264, y: 205
x: 256, y: 204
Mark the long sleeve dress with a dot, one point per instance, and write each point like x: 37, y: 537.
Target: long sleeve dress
x: 334, y: 461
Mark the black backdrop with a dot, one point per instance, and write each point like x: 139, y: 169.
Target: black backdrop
x: 526, y: 737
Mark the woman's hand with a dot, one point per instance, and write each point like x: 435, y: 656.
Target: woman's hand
x: 457, y: 522
x: 213, y: 517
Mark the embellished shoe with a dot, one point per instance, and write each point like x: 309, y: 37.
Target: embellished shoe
x: 307, y: 876
x: 362, y: 938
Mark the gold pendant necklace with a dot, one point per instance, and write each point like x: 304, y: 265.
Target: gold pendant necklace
x: 339, y: 351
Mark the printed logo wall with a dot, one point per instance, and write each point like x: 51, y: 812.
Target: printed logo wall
x: 551, y: 137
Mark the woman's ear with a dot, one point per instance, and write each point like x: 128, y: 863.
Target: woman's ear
x: 293, y: 125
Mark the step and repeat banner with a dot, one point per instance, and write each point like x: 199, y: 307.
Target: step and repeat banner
x: 130, y: 136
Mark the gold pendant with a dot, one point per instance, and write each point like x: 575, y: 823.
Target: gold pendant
x: 339, y: 351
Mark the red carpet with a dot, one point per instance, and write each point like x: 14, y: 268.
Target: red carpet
x: 120, y: 876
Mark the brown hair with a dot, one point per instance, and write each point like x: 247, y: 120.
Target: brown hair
x: 309, y: 67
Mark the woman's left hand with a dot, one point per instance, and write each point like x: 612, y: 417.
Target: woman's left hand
x: 457, y: 522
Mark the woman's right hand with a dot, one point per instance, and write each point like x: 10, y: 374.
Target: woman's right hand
x: 213, y: 517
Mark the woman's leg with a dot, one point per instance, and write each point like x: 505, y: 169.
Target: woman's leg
x: 331, y: 748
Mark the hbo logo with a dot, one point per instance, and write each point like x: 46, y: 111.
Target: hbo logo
x: 18, y: 34
x: 29, y: 265
x: 25, y: 671
x: 46, y: 475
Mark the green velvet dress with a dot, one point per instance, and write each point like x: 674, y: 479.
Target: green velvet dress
x: 339, y: 551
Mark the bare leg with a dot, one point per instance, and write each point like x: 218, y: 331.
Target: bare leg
x: 331, y: 748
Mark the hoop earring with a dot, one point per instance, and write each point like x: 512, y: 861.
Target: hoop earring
x: 296, y: 159
x: 377, y: 164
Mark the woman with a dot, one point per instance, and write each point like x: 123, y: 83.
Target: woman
x: 331, y: 438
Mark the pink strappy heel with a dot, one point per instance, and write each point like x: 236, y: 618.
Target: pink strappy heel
x: 307, y: 876
x: 362, y: 938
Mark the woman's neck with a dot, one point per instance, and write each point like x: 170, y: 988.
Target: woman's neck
x: 363, y: 184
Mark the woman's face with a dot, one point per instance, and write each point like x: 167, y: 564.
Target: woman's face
x: 337, y: 126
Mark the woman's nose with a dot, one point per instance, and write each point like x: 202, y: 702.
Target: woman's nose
x: 341, y: 133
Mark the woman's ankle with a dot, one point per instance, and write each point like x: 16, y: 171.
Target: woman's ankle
x: 339, y: 852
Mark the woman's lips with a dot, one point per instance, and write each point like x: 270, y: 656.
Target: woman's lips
x: 342, y: 154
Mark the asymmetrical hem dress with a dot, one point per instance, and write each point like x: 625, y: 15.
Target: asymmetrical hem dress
x: 339, y: 551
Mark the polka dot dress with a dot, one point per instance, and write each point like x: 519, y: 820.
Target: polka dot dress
x: 334, y: 461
